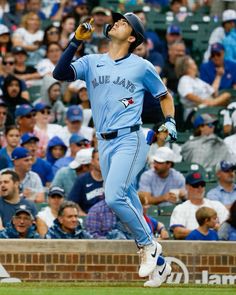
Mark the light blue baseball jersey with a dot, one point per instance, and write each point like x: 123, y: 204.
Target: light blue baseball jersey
x: 116, y: 88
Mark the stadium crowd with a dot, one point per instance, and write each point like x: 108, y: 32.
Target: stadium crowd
x: 51, y: 184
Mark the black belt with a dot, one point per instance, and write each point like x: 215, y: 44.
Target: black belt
x: 114, y: 134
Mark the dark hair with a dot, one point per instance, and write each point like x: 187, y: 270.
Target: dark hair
x: 232, y: 215
x: 15, y: 177
x: 45, y: 37
x: 66, y: 204
x: 95, y: 150
x: 9, y: 128
x: 53, y: 43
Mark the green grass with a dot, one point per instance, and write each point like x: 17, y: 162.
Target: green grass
x: 111, y: 289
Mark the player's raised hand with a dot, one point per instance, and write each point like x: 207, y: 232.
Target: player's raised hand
x: 84, y: 30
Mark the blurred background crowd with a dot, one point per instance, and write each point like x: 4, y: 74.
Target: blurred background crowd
x: 50, y: 181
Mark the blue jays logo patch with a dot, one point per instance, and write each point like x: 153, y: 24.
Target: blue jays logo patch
x: 127, y: 101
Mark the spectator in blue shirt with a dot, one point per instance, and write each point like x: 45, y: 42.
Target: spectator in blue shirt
x: 218, y: 69
x: 225, y: 191
x: 66, y: 225
x: 21, y: 226
x: 77, y: 142
x: 39, y: 166
x: 207, y: 220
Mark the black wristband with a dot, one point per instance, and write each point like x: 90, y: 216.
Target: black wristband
x: 170, y: 119
x: 75, y: 42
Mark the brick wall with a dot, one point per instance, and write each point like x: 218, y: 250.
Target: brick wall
x: 78, y: 260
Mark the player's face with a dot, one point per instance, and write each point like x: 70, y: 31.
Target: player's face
x: 22, y: 222
x: 121, y: 30
x: 13, y: 138
x: 69, y: 219
x: 7, y: 186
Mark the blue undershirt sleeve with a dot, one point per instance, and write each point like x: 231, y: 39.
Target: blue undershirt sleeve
x: 63, y: 70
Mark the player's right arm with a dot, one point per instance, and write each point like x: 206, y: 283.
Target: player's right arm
x: 63, y: 70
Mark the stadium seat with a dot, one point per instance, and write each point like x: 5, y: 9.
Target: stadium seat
x: 186, y: 167
x: 34, y: 92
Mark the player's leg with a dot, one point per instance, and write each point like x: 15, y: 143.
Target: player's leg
x: 128, y: 156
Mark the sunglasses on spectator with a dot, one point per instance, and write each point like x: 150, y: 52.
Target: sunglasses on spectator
x: 45, y: 112
x: 53, y: 32
x: 11, y: 63
x: 29, y: 116
x: 198, y: 184
x: 82, y: 144
x: 216, y: 54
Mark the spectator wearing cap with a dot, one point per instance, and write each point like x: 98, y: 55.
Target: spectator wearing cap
x: 66, y: 225
x: 77, y: 94
x: 88, y: 188
x: 77, y: 143
x: 12, y: 97
x: 74, y: 119
x: 30, y: 181
x: 21, y: 226
x: 219, y: 69
x: 22, y: 70
x: 205, y: 148
x: 5, y: 40
x: 218, y: 34
x: 51, y: 95
x: 157, y: 184
x: 175, y: 50
x: 47, y: 215
x: 56, y: 149
x: 225, y: 191
x: 183, y: 218
x: 25, y: 118
x: 101, y: 16
x: 11, y: 200
x: 39, y: 166
x: 194, y: 91
x: 152, y: 109
x: 80, y: 10
x: 66, y: 176
x: 173, y: 35
x: 12, y: 138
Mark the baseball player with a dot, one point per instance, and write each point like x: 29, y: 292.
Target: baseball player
x: 116, y: 82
